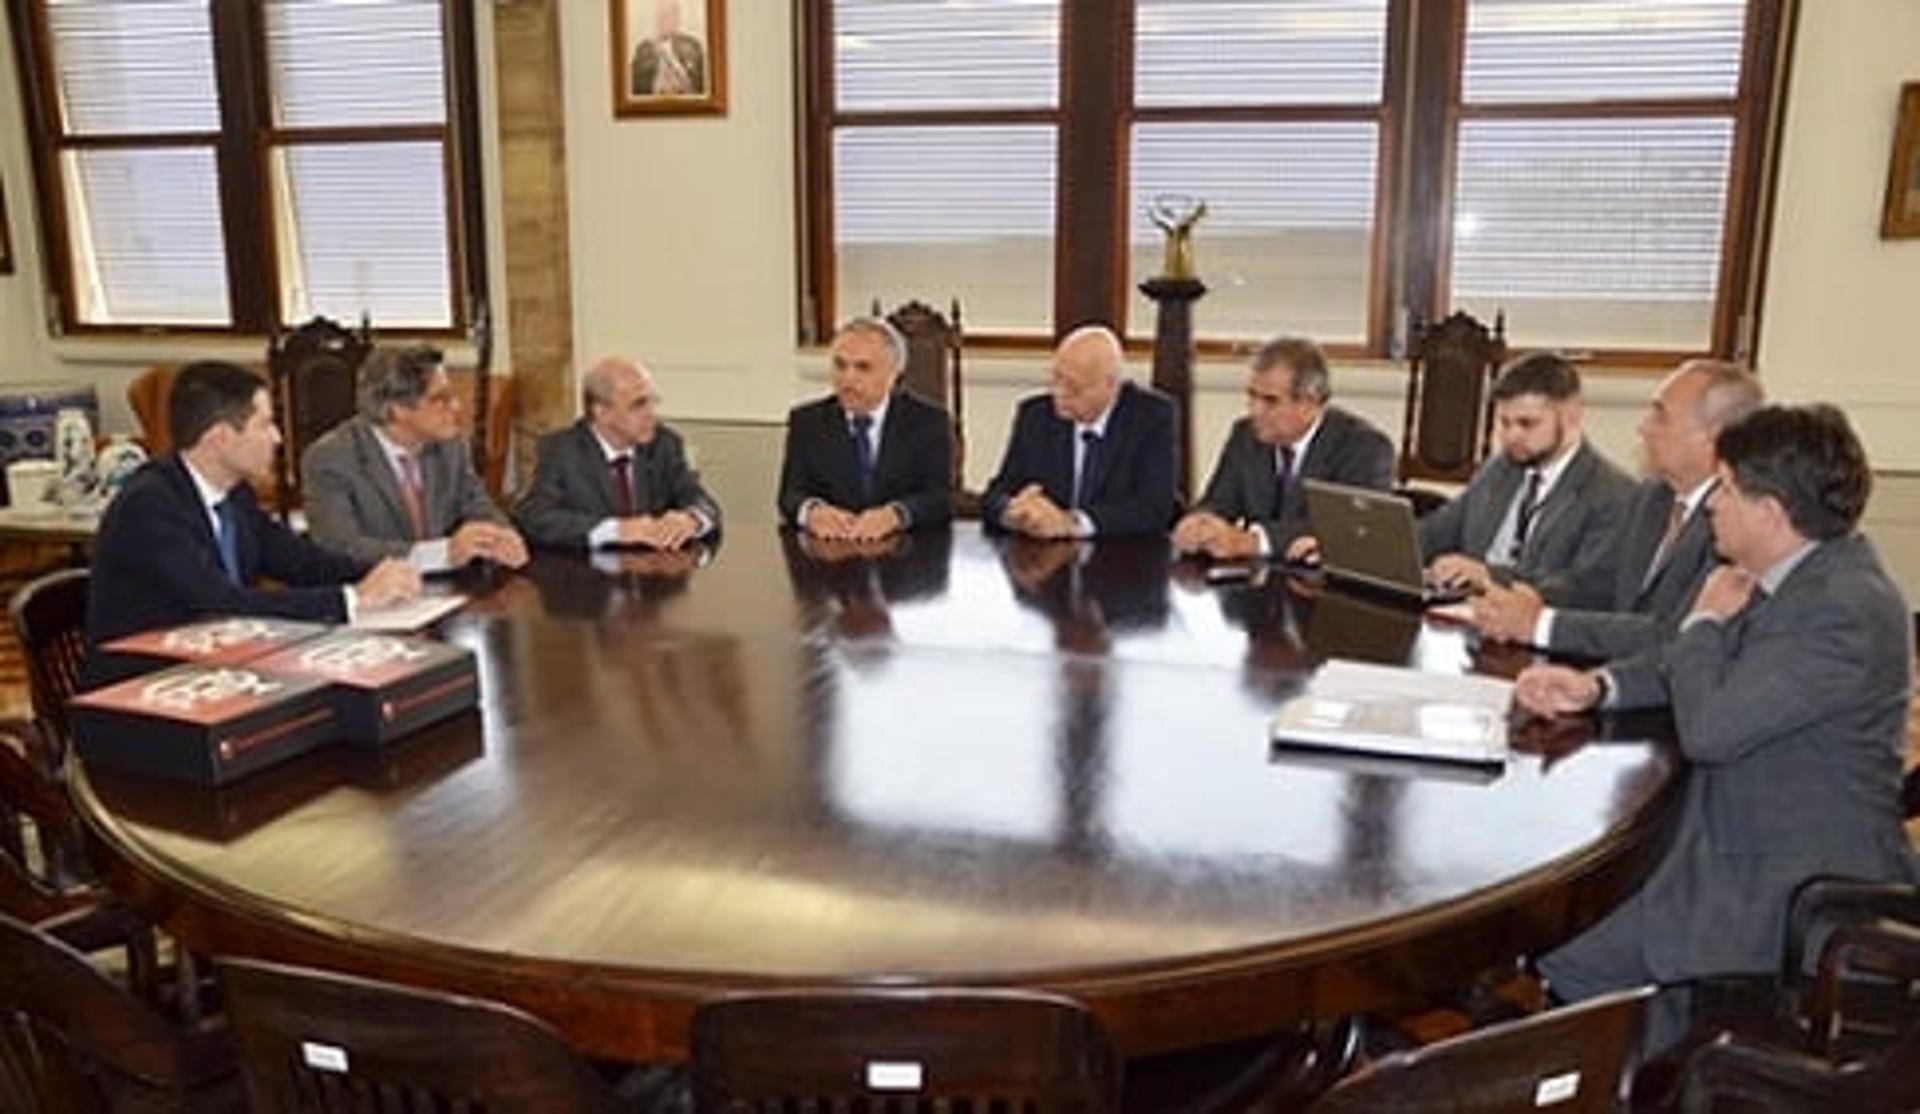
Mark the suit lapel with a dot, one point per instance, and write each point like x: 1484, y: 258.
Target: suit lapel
x: 593, y: 463
x: 1565, y: 493
x: 1479, y: 530
x: 373, y: 462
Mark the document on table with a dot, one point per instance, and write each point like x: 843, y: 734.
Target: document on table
x: 410, y: 616
x: 1403, y: 713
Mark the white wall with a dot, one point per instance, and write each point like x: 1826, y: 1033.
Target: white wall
x: 22, y: 337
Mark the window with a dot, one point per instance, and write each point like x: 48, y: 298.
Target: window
x: 1588, y: 168
x: 245, y: 164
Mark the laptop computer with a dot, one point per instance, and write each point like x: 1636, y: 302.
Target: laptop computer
x: 1368, y: 538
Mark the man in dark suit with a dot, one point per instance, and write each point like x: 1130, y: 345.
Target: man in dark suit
x: 1254, y: 505
x: 1544, y: 508
x: 398, y: 479
x: 1789, y: 684
x: 670, y: 63
x: 1093, y: 457
x: 617, y: 476
x: 868, y: 461
x: 1665, y: 548
x: 185, y: 539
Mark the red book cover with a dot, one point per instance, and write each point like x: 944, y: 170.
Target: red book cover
x: 234, y: 640
x: 202, y: 723
x: 384, y: 685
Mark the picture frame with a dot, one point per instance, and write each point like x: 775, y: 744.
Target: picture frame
x: 1902, y: 217
x: 669, y: 57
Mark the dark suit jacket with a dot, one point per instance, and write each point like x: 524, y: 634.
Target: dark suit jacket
x: 572, y: 487
x: 1131, y: 490
x: 1570, y: 546
x: 156, y: 564
x: 1793, y: 715
x: 353, y: 499
x: 1640, y: 612
x: 1346, y: 449
x: 914, y: 467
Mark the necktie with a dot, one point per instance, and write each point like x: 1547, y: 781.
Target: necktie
x: 1282, y: 477
x: 228, y: 538
x: 1529, y: 503
x: 412, y: 495
x: 1676, y: 518
x: 1083, y: 479
x: 622, y: 484
x: 863, y: 453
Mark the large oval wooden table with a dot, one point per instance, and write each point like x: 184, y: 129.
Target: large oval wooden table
x: 966, y: 762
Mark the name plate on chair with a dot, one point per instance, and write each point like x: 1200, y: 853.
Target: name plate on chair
x: 383, y: 686
x: 895, y: 1075
x: 205, y: 724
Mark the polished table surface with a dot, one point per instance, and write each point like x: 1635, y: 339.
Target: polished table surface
x: 965, y: 761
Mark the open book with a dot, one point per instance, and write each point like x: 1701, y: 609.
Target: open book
x: 1385, y: 710
x: 410, y: 616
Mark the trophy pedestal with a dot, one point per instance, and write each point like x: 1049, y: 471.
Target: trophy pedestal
x: 1173, y: 300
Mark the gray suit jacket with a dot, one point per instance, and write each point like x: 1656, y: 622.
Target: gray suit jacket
x: 1346, y: 449
x: 572, y: 488
x: 353, y: 498
x: 1794, y: 717
x: 1641, y: 611
x: 1570, y: 546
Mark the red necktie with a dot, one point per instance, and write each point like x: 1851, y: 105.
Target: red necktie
x: 412, y: 494
x: 622, y: 486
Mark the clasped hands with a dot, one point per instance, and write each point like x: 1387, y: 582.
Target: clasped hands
x: 671, y: 530
x: 1030, y: 512
x: 1207, y: 533
x: 824, y: 520
x: 500, y: 544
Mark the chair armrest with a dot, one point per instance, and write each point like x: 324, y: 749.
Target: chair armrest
x: 1731, y: 1066
x: 1824, y: 902
x: 1885, y: 948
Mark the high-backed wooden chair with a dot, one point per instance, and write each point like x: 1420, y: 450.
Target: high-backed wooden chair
x: 1573, y: 1060
x: 921, y: 1049
x: 49, y: 616
x: 934, y: 372
x: 314, y: 1041
x: 491, y: 433
x: 74, y: 1041
x: 147, y: 397
x: 1449, y: 407
x: 315, y: 370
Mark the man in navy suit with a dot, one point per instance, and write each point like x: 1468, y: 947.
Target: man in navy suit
x: 1255, y: 505
x: 185, y: 538
x: 868, y: 461
x: 1093, y: 457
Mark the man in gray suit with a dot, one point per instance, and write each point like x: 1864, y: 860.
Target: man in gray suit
x: 1254, y: 505
x: 1789, y: 684
x: 1544, y: 508
x: 617, y: 476
x: 398, y: 479
x: 1665, y: 549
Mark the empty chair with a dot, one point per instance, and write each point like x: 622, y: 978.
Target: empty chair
x: 49, y: 617
x: 314, y: 1041
x: 1571, y: 1060
x: 1006, y: 1051
x: 73, y: 1041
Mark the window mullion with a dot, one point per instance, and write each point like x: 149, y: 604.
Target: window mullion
x: 253, y: 281
x: 1090, y: 213
x: 1439, y: 38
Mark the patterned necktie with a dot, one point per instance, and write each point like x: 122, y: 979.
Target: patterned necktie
x: 1282, y: 477
x: 863, y: 453
x: 412, y: 495
x: 622, y: 484
x: 1083, y: 479
x: 1676, y: 519
x: 228, y: 538
x: 1523, y: 522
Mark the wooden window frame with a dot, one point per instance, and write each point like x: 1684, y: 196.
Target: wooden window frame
x: 243, y: 147
x: 1418, y: 114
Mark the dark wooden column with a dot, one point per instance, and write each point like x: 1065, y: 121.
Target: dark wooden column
x: 1173, y: 359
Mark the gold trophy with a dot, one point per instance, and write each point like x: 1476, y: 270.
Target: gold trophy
x: 1176, y: 214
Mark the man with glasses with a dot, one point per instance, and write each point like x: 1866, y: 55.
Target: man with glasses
x: 1255, y: 505
x: 398, y: 479
x: 1092, y: 457
x: 617, y: 476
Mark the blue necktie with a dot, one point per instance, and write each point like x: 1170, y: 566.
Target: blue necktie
x: 863, y: 453
x: 229, y: 539
x: 1083, y: 479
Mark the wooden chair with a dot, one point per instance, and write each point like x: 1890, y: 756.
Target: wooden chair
x: 314, y: 1041
x: 934, y: 372
x: 49, y: 620
x: 492, y: 435
x: 1569, y: 1060
x: 901, y: 1049
x: 73, y: 1040
x: 49, y: 616
x: 315, y: 372
x: 1449, y: 407
x: 147, y: 397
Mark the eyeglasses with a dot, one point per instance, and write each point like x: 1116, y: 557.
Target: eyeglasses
x: 445, y: 400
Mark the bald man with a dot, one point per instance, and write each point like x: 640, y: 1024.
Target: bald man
x: 616, y: 477
x: 1093, y: 457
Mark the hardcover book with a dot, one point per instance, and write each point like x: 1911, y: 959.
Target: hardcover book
x: 229, y: 641
x: 383, y: 686
x: 200, y: 723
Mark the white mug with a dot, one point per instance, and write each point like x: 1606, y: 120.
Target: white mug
x: 29, y: 482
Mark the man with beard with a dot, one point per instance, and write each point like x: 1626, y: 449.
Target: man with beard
x: 1544, y: 508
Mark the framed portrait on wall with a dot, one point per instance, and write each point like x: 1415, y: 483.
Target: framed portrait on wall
x: 669, y: 57
x: 1902, y: 217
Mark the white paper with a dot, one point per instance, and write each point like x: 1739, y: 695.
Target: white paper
x: 407, y: 616
x: 1389, y: 710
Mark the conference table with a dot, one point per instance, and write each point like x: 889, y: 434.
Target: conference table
x: 952, y: 760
